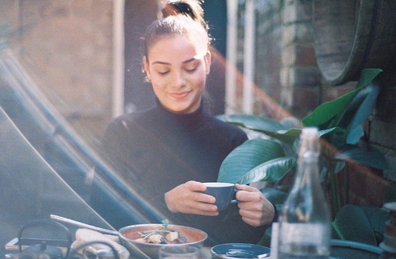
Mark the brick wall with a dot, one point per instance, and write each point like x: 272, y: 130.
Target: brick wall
x: 286, y: 69
x: 66, y: 47
x: 382, y: 125
x: 301, y: 81
x: 300, y: 87
x: 300, y: 77
x: 268, y: 49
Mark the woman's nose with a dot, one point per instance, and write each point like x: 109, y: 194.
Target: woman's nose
x: 178, y: 80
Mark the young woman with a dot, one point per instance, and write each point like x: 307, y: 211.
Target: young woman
x: 167, y: 152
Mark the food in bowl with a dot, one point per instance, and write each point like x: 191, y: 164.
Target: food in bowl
x: 129, y: 235
x: 164, y: 235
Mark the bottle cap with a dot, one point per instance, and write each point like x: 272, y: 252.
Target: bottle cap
x: 310, y: 132
x: 309, y: 142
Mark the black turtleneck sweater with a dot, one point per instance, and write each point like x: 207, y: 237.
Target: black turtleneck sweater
x: 157, y: 150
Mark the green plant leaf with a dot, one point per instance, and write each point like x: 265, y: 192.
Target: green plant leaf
x: 252, y: 122
x: 377, y: 217
x: 362, y: 105
x: 367, y: 75
x: 351, y: 223
x: 270, y: 171
x: 271, y: 128
x: 354, y: 135
x: 372, y: 158
x: 331, y: 133
x: 275, y: 196
x: 328, y: 134
x: 286, y: 136
x: 246, y: 157
x: 329, y: 114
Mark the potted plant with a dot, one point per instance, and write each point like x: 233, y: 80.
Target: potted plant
x: 339, y: 122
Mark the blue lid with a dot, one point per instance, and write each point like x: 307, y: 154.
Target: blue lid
x: 238, y: 250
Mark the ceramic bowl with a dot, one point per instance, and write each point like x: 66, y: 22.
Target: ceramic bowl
x: 239, y: 250
x: 195, y: 237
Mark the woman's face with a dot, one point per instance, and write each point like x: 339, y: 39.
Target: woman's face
x: 177, y: 70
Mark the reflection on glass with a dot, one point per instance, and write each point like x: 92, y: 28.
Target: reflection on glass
x: 30, y: 188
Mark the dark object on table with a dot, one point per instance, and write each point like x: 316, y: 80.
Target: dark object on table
x: 239, y: 250
x: 41, y: 246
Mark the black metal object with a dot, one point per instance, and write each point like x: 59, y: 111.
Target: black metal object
x: 42, y: 247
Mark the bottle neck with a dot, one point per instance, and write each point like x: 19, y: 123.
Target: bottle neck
x: 307, y: 174
x: 307, y: 192
x: 308, y: 166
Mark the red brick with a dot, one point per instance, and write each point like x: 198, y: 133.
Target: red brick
x: 298, y: 33
x: 299, y: 55
x: 330, y: 93
x: 305, y: 97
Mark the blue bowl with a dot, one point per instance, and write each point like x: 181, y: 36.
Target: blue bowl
x: 238, y: 250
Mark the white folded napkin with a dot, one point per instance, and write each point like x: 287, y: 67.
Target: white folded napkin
x: 84, y: 235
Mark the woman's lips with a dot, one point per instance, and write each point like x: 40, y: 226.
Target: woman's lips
x: 180, y: 95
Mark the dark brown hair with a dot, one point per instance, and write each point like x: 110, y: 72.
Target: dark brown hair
x: 179, y: 17
x: 189, y: 8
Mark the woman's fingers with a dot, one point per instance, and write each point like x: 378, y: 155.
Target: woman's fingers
x: 254, y: 208
x: 188, y: 198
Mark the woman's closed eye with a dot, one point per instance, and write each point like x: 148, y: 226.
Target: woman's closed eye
x: 163, y: 72
x: 191, y: 68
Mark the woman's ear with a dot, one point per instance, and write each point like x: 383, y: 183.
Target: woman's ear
x: 146, y: 69
x: 208, y: 61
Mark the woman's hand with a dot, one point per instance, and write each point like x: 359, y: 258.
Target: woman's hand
x: 187, y: 198
x: 254, y: 208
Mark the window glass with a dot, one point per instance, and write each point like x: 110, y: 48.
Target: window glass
x: 79, y: 136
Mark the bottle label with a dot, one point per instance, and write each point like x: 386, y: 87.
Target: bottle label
x: 274, y: 240
x: 309, y: 233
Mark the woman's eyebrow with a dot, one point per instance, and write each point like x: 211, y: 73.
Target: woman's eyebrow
x: 160, y: 63
x: 167, y: 63
x: 189, y: 60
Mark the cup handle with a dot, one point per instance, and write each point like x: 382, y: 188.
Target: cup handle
x: 235, y: 201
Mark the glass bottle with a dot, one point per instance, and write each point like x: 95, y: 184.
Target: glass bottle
x: 304, y: 222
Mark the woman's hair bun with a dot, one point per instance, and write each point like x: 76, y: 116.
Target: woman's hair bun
x: 189, y: 8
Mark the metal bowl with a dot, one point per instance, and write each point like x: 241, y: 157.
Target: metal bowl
x: 195, y: 237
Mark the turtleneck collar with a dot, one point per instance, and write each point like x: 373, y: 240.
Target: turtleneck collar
x: 181, y: 122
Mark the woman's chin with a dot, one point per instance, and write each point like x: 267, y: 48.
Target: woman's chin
x: 181, y: 109
x: 188, y: 105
